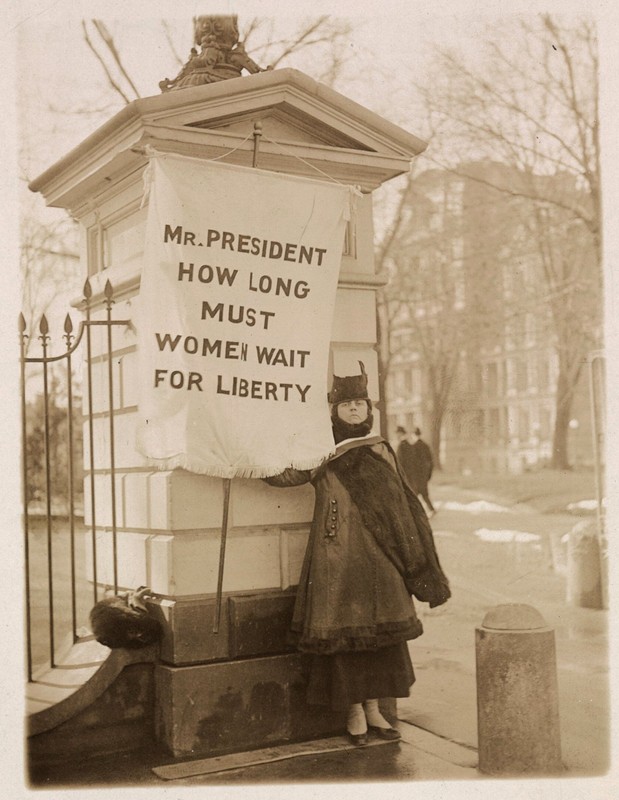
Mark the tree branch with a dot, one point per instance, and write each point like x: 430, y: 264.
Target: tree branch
x: 108, y: 74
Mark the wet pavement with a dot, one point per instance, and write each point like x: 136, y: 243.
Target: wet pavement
x: 418, y: 756
x: 488, y: 563
x: 487, y: 570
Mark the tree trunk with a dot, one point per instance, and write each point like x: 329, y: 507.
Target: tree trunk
x: 560, y: 456
x: 436, y: 424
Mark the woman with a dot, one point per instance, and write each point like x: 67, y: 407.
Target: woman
x: 370, y: 548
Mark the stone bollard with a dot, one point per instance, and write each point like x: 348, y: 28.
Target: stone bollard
x: 584, y: 580
x: 517, y: 695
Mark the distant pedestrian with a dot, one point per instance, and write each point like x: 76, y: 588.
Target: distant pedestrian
x: 417, y: 463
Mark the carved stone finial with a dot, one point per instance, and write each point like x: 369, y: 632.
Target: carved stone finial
x: 221, y: 55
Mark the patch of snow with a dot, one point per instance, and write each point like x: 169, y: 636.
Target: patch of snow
x: 585, y: 505
x: 489, y: 535
x: 474, y: 507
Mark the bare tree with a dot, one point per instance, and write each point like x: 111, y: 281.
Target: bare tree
x: 49, y: 253
x: 48, y: 266
x: 531, y: 102
x: 386, y: 308
x: 326, y: 38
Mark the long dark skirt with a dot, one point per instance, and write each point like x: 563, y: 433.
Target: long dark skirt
x: 340, y: 679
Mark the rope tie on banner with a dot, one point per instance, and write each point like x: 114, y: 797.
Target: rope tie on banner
x: 307, y: 163
x: 149, y: 151
x: 240, y: 144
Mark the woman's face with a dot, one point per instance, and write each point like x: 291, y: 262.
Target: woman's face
x: 353, y: 411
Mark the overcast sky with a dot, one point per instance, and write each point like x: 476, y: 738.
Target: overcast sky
x: 387, y: 51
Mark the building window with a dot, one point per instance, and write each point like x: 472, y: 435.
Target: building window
x: 545, y: 422
x: 494, y: 426
x: 492, y: 380
x: 523, y: 425
x: 543, y: 373
x: 522, y: 380
x: 530, y: 329
x: 408, y: 382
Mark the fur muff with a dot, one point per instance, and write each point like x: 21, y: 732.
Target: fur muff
x: 124, y: 621
x: 396, y: 519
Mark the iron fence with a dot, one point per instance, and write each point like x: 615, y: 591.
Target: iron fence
x: 52, y: 552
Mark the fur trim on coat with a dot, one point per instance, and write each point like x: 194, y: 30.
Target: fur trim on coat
x: 365, y: 555
x: 392, y: 511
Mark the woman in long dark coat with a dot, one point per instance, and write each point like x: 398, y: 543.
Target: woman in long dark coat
x: 370, y: 548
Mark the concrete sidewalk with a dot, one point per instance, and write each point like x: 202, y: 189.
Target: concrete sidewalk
x: 418, y: 756
x: 439, y: 721
x: 484, y: 574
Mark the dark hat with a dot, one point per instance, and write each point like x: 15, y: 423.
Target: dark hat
x: 417, y: 432
x: 400, y: 429
x: 350, y: 387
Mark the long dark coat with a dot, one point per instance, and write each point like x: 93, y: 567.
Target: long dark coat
x: 417, y: 462
x: 370, y: 547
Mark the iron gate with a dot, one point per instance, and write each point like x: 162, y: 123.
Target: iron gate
x: 59, y: 588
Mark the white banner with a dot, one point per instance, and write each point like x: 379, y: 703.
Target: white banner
x: 236, y: 306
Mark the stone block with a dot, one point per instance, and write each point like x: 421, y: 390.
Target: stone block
x: 189, y: 562
x: 236, y: 705
x: 354, y: 319
x: 124, y: 240
x: 260, y: 624
x: 160, y: 564
x: 129, y: 387
x: 363, y: 251
x: 131, y: 551
x: 249, y: 625
x: 136, y: 500
x: 100, y: 386
x: 254, y: 502
x: 194, y: 501
x: 100, y: 431
x: 103, y: 499
x: 125, y: 454
x: 158, y: 500
x: 189, y: 637
x: 123, y: 336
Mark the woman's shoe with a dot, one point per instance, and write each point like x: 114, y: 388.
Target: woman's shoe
x: 390, y: 734
x: 358, y: 739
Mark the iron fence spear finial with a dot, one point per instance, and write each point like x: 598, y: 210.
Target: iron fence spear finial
x: 68, y: 331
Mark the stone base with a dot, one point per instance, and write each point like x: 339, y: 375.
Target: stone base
x: 121, y: 719
x: 209, y: 709
x: 240, y: 688
x: 249, y: 625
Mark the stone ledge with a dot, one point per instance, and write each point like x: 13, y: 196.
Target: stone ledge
x: 253, y: 624
x: 87, y: 670
x: 210, y: 709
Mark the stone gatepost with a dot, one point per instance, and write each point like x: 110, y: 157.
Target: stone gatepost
x: 241, y: 687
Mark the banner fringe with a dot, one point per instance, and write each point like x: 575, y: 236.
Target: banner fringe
x: 221, y: 471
